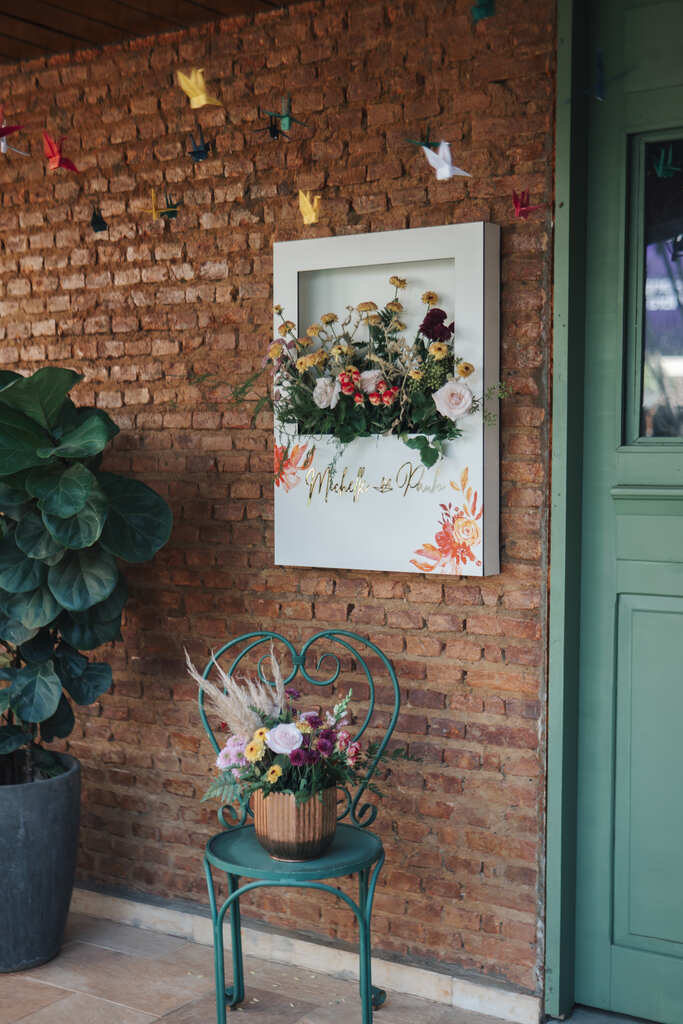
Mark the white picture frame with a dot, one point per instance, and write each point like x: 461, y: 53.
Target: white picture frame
x: 371, y: 504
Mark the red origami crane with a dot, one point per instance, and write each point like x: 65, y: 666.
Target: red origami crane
x: 521, y: 204
x: 7, y: 129
x: 53, y: 155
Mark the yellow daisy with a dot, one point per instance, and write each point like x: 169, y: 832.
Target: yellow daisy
x: 277, y: 308
x: 285, y: 328
x: 329, y: 318
x: 398, y: 282
x: 430, y: 298
x: 366, y: 307
x: 303, y: 726
x: 374, y: 319
x: 313, y: 331
x: 275, y: 350
x: 259, y: 736
x: 395, y: 306
x: 438, y: 350
x: 415, y: 374
x: 274, y: 773
x: 465, y: 369
x: 254, y: 751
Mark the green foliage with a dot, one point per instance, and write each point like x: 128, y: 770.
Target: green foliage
x: 63, y: 523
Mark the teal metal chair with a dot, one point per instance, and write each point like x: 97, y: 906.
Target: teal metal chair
x: 354, y: 850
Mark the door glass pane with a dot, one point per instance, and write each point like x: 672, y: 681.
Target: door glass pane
x: 661, y: 413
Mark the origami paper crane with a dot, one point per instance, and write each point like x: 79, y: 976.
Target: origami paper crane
x: 310, y: 211
x: 285, y: 118
x: 53, y: 155
x: 664, y: 166
x: 442, y: 163
x: 425, y: 140
x: 169, y: 212
x: 521, y: 204
x: 273, y: 128
x: 483, y: 9
x: 194, y: 87
x: 97, y: 221
x: 200, y: 150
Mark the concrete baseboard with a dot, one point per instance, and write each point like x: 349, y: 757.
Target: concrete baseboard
x: 505, y: 1004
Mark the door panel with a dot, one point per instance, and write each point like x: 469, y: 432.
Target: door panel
x: 629, y: 936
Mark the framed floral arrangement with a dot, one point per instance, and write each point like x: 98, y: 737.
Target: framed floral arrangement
x: 385, y: 363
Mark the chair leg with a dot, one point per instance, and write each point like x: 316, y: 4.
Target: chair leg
x: 218, y: 963
x: 235, y: 994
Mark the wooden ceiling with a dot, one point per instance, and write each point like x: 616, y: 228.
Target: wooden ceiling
x: 39, y: 28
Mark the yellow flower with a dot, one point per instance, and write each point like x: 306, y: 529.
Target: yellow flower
x: 395, y: 306
x: 396, y: 325
x: 304, y: 363
x: 259, y: 736
x: 337, y: 351
x: 465, y: 369
x: 274, y: 773
x: 275, y: 350
x: 254, y: 751
x: 398, y: 282
x: 430, y: 298
x: 277, y: 308
x: 329, y: 318
x: 374, y: 319
x: 366, y: 307
x: 313, y: 331
x: 285, y: 328
x: 303, y: 726
x: 320, y: 357
x: 438, y: 350
x: 415, y: 374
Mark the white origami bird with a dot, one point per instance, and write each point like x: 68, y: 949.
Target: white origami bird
x: 441, y: 162
x: 194, y: 87
x: 310, y: 211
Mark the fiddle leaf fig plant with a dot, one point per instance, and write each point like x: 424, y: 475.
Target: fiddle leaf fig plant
x: 63, y: 525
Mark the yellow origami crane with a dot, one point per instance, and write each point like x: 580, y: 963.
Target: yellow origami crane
x: 194, y: 86
x: 157, y: 212
x: 310, y: 211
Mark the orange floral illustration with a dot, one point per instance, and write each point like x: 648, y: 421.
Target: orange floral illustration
x: 288, y: 464
x: 458, y: 536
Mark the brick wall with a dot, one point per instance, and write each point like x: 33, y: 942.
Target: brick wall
x: 148, y: 307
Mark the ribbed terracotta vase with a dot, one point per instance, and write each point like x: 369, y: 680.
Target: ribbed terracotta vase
x: 295, y: 832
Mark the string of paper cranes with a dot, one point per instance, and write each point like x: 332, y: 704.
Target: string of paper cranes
x: 279, y: 124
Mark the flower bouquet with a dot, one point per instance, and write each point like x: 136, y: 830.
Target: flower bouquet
x: 361, y: 376
x: 276, y: 750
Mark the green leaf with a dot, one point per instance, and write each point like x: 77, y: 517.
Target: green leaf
x: 110, y: 609
x: 18, y: 573
x: 81, y: 630
x: 7, y: 377
x: 35, y: 692
x: 13, y: 632
x: 89, y: 438
x: 60, y: 724
x: 35, y: 541
x: 34, y: 609
x: 19, y: 439
x: 42, y: 395
x: 84, y: 529
x: 139, y: 520
x: 12, y: 737
x: 61, y: 492
x: 90, y: 684
x: 12, y: 496
x: 83, y: 578
x: 38, y: 649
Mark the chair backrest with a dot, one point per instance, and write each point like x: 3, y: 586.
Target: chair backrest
x: 366, y: 658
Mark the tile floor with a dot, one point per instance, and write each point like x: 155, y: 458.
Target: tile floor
x: 115, y: 974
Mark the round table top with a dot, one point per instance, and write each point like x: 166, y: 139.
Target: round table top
x: 239, y: 852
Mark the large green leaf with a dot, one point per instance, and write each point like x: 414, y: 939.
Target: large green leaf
x: 13, y: 632
x: 139, y: 520
x: 82, y: 631
x: 89, y: 438
x: 12, y: 737
x: 84, y: 529
x: 40, y: 648
x: 91, y: 684
x: 12, y: 496
x: 35, y: 541
x: 7, y: 377
x: 69, y: 661
x: 4, y: 698
x: 61, y: 492
x: 83, y: 578
x: 18, y: 572
x: 42, y: 395
x: 20, y: 438
x: 107, y: 610
x: 35, y: 692
x: 60, y: 724
x: 35, y: 609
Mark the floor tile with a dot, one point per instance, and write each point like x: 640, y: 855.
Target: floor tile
x: 586, y: 1015
x: 19, y: 996
x: 123, y: 938
x: 81, y: 1009
x: 150, y: 985
x: 259, y: 1007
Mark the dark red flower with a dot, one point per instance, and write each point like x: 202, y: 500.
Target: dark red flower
x: 325, y: 747
x: 298, y: 757
x: 434, y: 326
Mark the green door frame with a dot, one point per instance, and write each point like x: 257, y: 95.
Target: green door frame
x: 565, y: 523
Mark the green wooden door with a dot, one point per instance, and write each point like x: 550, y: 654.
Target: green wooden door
x: 629, y: 938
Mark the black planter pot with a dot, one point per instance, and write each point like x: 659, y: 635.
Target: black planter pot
x: 38, y: 848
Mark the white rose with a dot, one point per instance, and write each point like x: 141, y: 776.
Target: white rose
x: 453, y: 400
x: 369, y: 379
x: 283, y: 739
x: 326, y: 392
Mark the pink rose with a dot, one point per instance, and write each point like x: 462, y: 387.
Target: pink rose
x: 284, y: 738
x: 343, y: 740
x: 453, y: 400
x: 353, y: 753
x: 369, y: 379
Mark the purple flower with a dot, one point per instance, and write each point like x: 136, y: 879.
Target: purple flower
x: 329, y: 734
x: 325, y: 747
x: 313, y: 719
x: 297, y: 758
x: 312, y: 756
x: 292, y: 693
x: 434, y: 327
